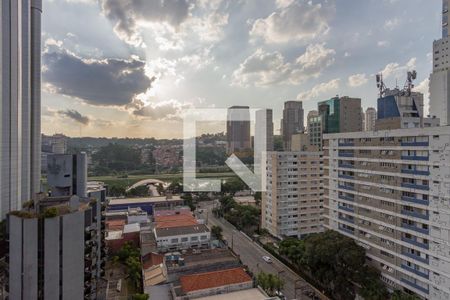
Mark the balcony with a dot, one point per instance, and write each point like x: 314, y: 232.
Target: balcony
x: 414, y: 285
x: 346, y: 230
x: 415, y: 214
x: 415, y: 186
x: 348, y: 198
x: 344, y: 165
x: 417, y: 229
x: 346, y: 187
x: 345, y: 154
x: 415, y: 144
x: 346, y: 144
x: 346, y: 208
x: 415, y: 172
x: 412, y: 270
x: 346, y: 176
x: 415, y: 157
x: 416, y: 257
x: 415, y: 243
x: 415, y: 200
x: 346, y: 219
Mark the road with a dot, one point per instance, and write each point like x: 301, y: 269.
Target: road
x: 251, y: 255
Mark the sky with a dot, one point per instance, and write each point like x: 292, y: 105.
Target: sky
x: 130, y: 68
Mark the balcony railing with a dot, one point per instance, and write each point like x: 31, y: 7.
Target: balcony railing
x: 417, y: 229
x: 346, y: 219
x: 414, y: 285
x: 415, y: 214
x: 346, y: 208
x: 346, y: 230
x: 416, y: 144
x: 415, y: 243
x: 346, y: 176
x: 348, y: 198
x: 346, y: 187
x: 415, y: 172
x: 346, y: 144
x: 344, y: 165
x: 345, y: 154
x: 417, y: 272
x: 417, y: 257
x: 415, y: 200
x: 415, y: 157
x: 415, y: 186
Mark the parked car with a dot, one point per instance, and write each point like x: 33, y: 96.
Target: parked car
x: 267, y: 259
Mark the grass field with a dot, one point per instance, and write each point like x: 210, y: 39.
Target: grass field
x: 132, y: 179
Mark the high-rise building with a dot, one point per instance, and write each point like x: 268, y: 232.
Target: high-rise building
x: 340, y: 114
x: 264, y: 128
x: 20, y: 102
x: 292, y: 203
x: 440, y: 77
x: 371, y: 117
x: 315, y: 131
x: 389, y: 190
x: 56, y: 249
x: 292, y: 122
x: 363, y: 119
x: 67, y: 174
x: 311, y: 114
x: 238, y: 129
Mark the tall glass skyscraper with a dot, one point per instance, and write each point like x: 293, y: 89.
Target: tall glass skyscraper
x: 20, y: 102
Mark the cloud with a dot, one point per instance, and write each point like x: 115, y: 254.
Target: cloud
x: 383, y: 44
x: 268, y: 68
x: 168, y: 110
x: 395, y: 69
x: 423, y: 88
x: 114, y: 82
x: 391, y: 24
x: 357, y: 80
x: 75, y: 115
x: 129, y: 15
x: 320, y: 89
x: 295, y: 20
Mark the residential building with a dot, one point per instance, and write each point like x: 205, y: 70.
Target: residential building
x: 20, y: 102
x: 302, y: 142
x: 238, y: 129
x: 292, y: 203
x: 182, y: 237
x: 292, y: 122
x: 371, y: 117
x: 56, y: 249
x: 147, y: 204
x: 67, y: 174
x: 389, y: 190
x: 311, y: 114
x: 340, y: 114
x: 264, y: 129
x: 440, y: 77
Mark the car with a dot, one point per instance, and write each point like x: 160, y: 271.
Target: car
x: 267, y: 259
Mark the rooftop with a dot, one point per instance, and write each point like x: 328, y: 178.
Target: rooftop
x: 171, y: 231
x: 115, y: 224
x: 159, y: 199
x: 250, y: 294
x: 134, y: 227
x: 177, y: 220
x: 113, y: 235
x: 195, y: 282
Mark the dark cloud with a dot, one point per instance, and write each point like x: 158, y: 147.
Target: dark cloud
x: 128, y: 13
x: 169, y: 110
x: 98, y: 82
x: 75, y: 115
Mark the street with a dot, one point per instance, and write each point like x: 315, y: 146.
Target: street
x: 251, y: 255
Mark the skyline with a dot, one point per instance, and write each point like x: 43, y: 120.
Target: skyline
x: 246, y: 53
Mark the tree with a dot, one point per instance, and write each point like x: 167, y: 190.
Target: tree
x: 233, y: 185
x: 175, y: 187
x: 140, y: 297
x: 216, y: 231
x: 399, y: 295
x: 116, y: 191
x: 139, y: 191
x: 269, y: 283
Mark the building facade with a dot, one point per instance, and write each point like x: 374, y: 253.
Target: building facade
x: 292, y: 203
x: 264, y: 129
x: 67, y: 174
x: 371, y: 117
x: 238, y: 129
x: 20, y: 102
x: 315, y: 131
x: 389, y: 190
x: 340, y: 114
x: 292, y: 122
x: 440, y: 77
x: 56, y: 249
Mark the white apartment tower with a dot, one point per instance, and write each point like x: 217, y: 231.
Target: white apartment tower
x: 371, y: 117
x: 440, y: 77
x: 389, y: 190
x: 292, y: 203
x: 20, y: 102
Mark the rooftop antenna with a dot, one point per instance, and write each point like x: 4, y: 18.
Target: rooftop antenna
x: 380, y: 84
x: 409, y: 85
